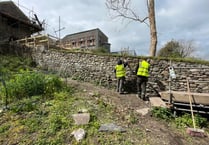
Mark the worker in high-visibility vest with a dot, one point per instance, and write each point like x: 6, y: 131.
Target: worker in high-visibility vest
x: 120, y: 73
x: 142, y: 72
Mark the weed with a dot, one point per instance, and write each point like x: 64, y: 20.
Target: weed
x: 162, y: 113
x: 132, y: 118
x: 32, y: 124
x: 186, y: 121
x: 52, y: 84
x: 4, y: 128
x: 25, y: 105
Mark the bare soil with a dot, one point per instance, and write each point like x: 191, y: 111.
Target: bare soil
x: 157, y: 132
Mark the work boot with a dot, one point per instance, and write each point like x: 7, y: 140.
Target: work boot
x: 121, y: 92
x: 143, y: 97
x: 139, y: 95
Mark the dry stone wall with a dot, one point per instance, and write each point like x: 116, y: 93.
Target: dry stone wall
x: 99, y: 69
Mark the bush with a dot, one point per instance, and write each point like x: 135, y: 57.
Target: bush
x: 100, y: 50
x: 27, y: 84
x: 52, y: 84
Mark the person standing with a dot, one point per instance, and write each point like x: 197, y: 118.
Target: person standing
x: 142, y: 72
x: 120, y: 73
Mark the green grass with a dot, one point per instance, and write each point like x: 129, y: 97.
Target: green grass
x: 44, y: 115
x: 51, y: 122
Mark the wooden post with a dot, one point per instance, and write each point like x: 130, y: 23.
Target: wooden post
x: 170, y: 99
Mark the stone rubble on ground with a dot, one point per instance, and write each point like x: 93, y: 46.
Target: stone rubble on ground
x: 81, y: 118
x: 143, y: 111
x: 111, y: 127
x: 79, y: 134
x: 91, y: 94
x: 83, y: 110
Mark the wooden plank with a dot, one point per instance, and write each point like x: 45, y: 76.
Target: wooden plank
x: 41, y: 41
x: 157, y: 102
x: 197, y: 98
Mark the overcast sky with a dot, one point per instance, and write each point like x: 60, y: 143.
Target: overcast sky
x: 175, y: 19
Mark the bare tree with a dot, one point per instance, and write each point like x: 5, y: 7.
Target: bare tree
x: 177, y: 49
x: 122, y: 9
x: 187, y: 48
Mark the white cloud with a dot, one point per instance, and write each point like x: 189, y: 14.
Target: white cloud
x: 176, y: 19
x: 186, y: 20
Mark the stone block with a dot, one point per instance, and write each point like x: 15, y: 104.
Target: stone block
x: 81, y: 118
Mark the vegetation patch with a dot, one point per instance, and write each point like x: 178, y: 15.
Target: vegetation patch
x: 162, y: 113
x: 186, y: 121
x: 181, y: 121
x: 41, y: 107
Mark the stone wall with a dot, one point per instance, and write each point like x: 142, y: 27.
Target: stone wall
x: 99, y: 69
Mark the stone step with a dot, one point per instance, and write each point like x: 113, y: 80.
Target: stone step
x: 157, y: 102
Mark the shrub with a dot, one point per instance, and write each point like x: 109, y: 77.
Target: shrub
x: 52, y: 84
x: 100, y: 50
x: 27, y: 84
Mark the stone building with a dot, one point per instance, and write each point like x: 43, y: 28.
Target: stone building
x: 89, y: 39
x: 14, y: 24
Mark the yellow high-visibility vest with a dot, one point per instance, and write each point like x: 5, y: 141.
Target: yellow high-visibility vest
x: 143, y: 69
x: 120, y: 71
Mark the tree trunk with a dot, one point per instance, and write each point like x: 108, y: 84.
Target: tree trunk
x: 153, y: 31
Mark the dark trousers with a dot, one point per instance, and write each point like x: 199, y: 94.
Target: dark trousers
x: 120, y: 84
x: 141, y: 86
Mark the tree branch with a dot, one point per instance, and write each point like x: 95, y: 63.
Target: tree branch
x: 122, y: 9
